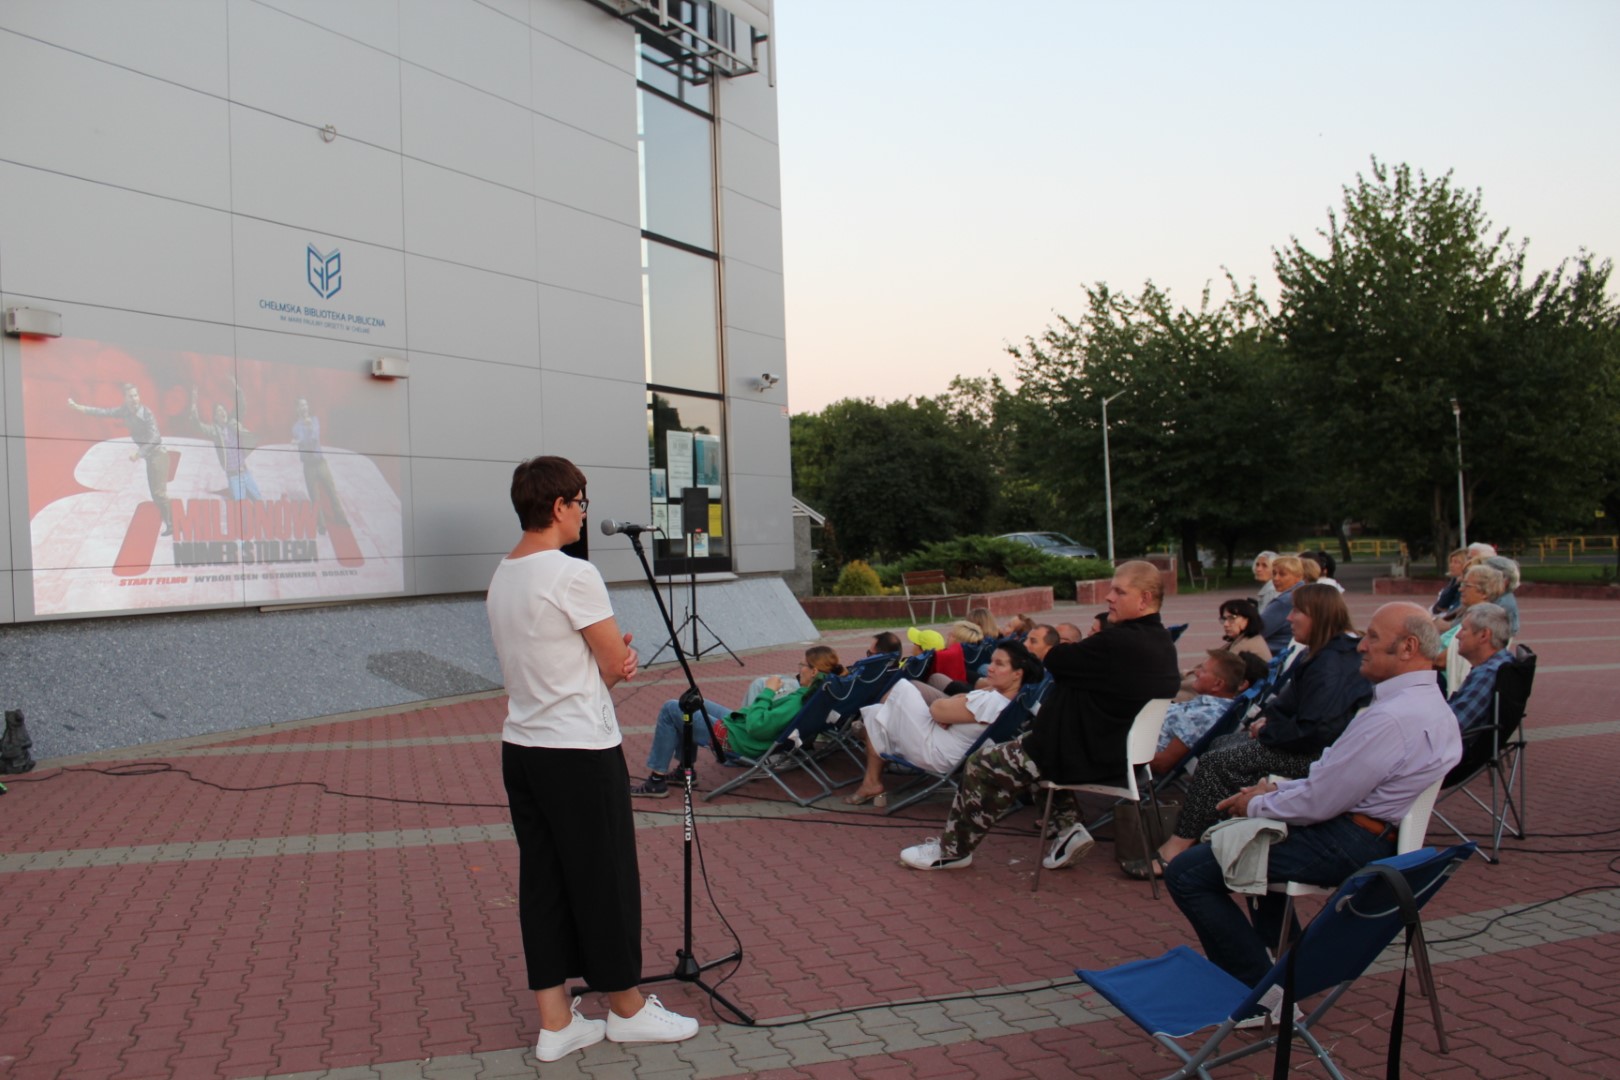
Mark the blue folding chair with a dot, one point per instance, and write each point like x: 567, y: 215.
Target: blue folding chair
x: 1180, y: 993
x: 1012, y: 720
x: 792, y: 750
x: 1176, y: 631
x: 865, y: 684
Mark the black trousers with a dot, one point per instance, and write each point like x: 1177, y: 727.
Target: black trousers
x: 579, y: 889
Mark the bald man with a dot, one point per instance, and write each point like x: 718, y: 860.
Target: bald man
x: 1098, y: 687
x: 1345, y: 813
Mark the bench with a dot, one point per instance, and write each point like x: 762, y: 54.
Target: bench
x: 917, y: 582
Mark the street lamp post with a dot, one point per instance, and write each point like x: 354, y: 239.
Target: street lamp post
x: 1462, y: 510
x: 1108, y: 479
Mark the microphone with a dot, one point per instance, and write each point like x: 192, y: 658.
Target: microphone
x: 612, y: 528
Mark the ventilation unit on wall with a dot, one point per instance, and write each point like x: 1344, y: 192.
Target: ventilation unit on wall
x: 390, y: 367
x: 33, y: 322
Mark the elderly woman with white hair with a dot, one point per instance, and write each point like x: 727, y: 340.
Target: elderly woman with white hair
x: 1510, y: 585
x: 1262, y: 574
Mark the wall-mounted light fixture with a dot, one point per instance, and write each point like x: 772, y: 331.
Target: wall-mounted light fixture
x: 33, y: 322
x: 390, y: 367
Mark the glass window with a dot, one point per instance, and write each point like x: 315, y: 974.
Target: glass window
x: 685, y: 80
x: 686, y: 449
x: 681, y: 321
x: 677, y: 171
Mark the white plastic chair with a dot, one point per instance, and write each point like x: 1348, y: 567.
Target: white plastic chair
x: 1414, y: 826
x: 1141, y: 743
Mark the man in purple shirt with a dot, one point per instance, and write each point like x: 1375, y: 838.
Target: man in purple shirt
x: 1344, y: 814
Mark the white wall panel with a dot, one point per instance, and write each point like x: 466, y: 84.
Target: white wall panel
x: 594, y: 421
x: 64, y: 238
x: 14, y: 512
x: 462, y: 507
x: 437, y: 574
x: 749, y: 165
x: 451, y: 124
x: 8, y: 611
x: 179, y: 40
x: 297, y: 70
x: 747, y: 356
x: 455, y: 217
x: 760, y: 429
x: 470, y: 409
x: 754, y: 299
x: 761, y: 511
x: 762, y: 558
x: 282, y: 171
x: 371, y: 22
x: 586, y: 172
x: 579, y: 90
x: 460, y: 311
x: 272, y: 267
x: 587, y: 253
x: 750, y: 102
x: 87, y: 118
x: 620, y: 494
x: 586, y: 28
x: 466, y: 41
x: 751, y: 231
x: 589, y: 335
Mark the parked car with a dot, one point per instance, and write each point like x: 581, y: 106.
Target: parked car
x: 1053, y: 543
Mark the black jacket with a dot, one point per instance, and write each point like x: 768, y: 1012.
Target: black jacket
x: 1098, y: 687
x: 1318, y: 703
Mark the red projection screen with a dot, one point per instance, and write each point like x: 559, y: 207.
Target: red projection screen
x: 281, y: 484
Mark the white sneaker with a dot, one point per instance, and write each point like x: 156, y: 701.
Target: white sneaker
x: 579, y: 1034
x: 653, y: 1023
x: 1070, y: 845
x: 928, y: 856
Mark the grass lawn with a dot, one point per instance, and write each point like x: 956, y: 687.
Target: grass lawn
x: 1581, y: 573
x: 861, y: 624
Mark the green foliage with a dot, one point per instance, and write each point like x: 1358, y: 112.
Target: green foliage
x: 858, y: 579
x: 1417, y: 299
x: 968, y: 557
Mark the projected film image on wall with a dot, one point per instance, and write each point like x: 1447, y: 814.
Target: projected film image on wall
x: 164, y: 479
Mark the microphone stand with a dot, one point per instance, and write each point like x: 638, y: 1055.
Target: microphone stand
x: 687, y: 968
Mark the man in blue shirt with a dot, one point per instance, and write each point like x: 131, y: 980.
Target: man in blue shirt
x: 1482, y: 640
x: 1221, y: 677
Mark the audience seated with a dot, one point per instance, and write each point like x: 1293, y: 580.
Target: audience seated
x: 935, y: 736
x: 1345, y: 812
x: 1286, y: 574
x: 750, y: 731
x: 1017, y: 627
x: 1325, y: 565
x: 1221, y: 677
x: 1068, y: 633
x: 986, y: 622
x: 1240, y: 633
x: 1098, y: 687
x: 1482, y: 638
x: 1450, y: 597
x: 950, y: 666
x: 1262, y: 574
x: 1508, y: 602
x: 1481, y: 584
x: 1294, y: 726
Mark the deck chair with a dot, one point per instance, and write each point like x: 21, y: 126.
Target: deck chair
x: 1012, y: 720
x: 864, y: 684
x: 792, y: 751
x: 1177, y: 630
x: 1495, y: 746
x: 1181, y: 993
x: 1141, y: 743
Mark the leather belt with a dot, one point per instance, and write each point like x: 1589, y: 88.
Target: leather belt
x: 1377, y: 827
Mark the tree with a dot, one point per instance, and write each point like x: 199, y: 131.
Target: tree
x: 1190, y: 441
x: 892, y: 477
x: 1417, y: 300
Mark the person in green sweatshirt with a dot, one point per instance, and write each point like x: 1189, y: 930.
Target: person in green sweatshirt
x: 749, y: 731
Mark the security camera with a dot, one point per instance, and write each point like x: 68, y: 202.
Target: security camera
x: 767, y: 380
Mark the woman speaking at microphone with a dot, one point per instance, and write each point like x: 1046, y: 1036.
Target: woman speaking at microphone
x: 579, y: 889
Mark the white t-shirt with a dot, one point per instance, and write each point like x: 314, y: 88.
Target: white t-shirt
x: 537, y: 607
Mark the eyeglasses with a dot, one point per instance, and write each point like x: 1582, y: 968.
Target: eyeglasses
x: 1230, y: 618
x: 584, y: 503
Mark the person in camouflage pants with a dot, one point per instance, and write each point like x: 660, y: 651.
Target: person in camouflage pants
x: 991, y: 785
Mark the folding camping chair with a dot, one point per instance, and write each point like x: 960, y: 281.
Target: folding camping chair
x: 866, y: 682
x: 1496, y: 746
x: 792, y: 750
x: 1005, y: 726
x: 1141, y: 743
x: 1180, y: 993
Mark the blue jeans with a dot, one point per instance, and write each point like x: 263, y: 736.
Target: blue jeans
x: 1322, y: 854
x: 243, y: 486
x: 667, y: 735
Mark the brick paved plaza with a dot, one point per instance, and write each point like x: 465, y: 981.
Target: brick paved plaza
x: 153, y: 925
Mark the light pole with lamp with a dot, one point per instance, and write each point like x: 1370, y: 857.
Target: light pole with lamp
x: 1462, y: 511
x: 1108, y: 480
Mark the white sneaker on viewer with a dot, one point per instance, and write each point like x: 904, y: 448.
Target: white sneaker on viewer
x: 1070, y: 845
x: 579, y: 1034
x: 653, y: 1023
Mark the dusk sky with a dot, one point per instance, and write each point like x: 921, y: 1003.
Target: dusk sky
x: 954, y: 173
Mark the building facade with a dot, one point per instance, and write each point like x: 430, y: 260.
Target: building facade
x: 295, y: 283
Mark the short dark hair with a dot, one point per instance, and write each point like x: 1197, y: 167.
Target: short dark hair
x: 1228, y: 667
x: 886, y: 642
x: 538, y: 483
x: 1249, y: 612
x: 1023, y: 661
x: 1255, y: 669
x: 1046, y: 634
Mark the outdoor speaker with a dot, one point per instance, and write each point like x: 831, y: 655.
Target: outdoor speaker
x: 694, y: 510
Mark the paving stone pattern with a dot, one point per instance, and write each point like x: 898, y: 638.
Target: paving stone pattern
x: 335, y: 897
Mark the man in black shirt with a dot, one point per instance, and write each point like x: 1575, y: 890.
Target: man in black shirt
x: 1098, y: 687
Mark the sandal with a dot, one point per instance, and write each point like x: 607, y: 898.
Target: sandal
x: 1143, y: 869
x: 878, y: 799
